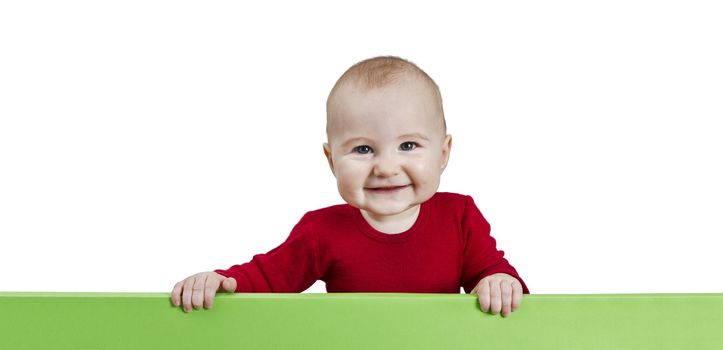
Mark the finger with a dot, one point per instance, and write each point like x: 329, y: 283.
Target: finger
x: 506, y: 291
x: 176, y: 293
x: 484, y: 295
x: 198, y: 289
x: 229, y: 285
x: 187, y: 293
x: 209, y: 294
x: 495, y: 297
x: 516, y: 295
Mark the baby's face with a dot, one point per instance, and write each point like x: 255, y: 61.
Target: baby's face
x: 387, y: 146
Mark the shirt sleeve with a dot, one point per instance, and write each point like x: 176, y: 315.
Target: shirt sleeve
x: 292, y: 267
x: 481, y: 257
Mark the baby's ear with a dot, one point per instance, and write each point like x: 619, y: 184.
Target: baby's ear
x: 327, y: 153
x: 446, y: 148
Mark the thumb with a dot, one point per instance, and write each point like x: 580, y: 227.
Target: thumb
x: 229, y: 284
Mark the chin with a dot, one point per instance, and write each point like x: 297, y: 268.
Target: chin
x: 388, y: 209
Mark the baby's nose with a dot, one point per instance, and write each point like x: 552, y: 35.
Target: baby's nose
x: 386, y: 166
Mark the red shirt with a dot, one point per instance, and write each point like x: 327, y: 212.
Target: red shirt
x: 448, y: 247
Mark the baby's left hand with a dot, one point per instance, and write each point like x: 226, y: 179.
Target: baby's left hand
x: 499, y: 291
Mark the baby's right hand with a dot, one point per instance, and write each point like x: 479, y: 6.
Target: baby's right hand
x: 200, y: 289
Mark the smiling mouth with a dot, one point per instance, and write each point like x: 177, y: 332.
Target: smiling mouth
x: 387, y: 189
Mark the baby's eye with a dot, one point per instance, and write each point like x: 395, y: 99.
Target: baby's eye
x: 364, y: 149
x: 408, y: 146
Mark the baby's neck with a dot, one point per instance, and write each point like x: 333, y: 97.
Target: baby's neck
x: 392, y: 224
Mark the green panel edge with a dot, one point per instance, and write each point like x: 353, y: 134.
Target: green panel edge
x: 57, y: 320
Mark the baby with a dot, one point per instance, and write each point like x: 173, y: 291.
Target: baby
x: 387, y: 147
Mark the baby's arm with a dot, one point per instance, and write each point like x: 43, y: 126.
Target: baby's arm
x: 485, y: 270
x: 289, y: 268
x: 200, y: 289
x: 499, y: 292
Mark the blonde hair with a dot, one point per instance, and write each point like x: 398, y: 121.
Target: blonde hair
x: 381, y: 71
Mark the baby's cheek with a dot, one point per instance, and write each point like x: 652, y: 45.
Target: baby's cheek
x: 425, y: 177
x: 350, y: 187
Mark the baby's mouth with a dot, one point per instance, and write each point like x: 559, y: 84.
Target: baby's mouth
x: 390, y: 189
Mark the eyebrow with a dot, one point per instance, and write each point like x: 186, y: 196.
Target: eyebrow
x: 405, y: 136
x: 414, y: 135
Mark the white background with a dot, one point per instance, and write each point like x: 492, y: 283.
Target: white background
x: 144, y: 141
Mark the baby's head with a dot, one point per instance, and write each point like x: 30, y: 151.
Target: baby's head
x: 387, y: 142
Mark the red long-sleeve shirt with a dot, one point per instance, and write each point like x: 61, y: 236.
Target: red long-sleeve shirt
x: 448, y: 247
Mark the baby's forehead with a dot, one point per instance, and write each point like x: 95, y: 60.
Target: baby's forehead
x: 357, y: 89
x: 361, y: 95
x: 386, y: 133
x: 388, y: 126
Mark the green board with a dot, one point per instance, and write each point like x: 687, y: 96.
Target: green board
x: 359, y: 321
